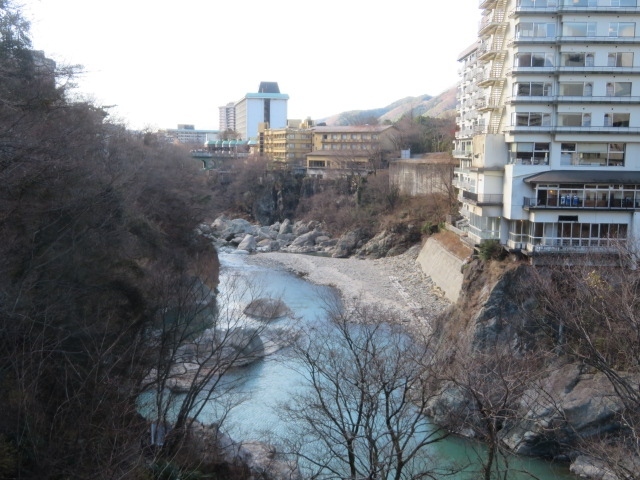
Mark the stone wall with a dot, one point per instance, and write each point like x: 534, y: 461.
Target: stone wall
x: 420, y: 177
x: 444, y: 268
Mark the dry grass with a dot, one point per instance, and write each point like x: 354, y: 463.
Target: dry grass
x: 453, y: 244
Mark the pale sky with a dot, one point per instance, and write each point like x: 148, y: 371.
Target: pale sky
x: 162, y: 63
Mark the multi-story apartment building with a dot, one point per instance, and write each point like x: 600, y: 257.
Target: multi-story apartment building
x: 288, y: 145
x: 351, y: 148
x: 227, y: 117
x: 268, y: 105
x: 549, y: 117
x: 188, y: 135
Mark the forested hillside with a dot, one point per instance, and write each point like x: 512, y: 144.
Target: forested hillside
x: 95, y: 242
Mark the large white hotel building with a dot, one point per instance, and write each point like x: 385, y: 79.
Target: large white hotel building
x: 549, y: 125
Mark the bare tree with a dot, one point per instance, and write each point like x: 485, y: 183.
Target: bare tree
x: 361, y: 411
x: 197, y: 340
x: 492, y: 388
x: 590, y: 313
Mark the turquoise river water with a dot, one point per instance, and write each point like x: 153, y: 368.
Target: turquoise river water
x: 269, y: 382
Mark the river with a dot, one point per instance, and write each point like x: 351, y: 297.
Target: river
x: 269, y: 382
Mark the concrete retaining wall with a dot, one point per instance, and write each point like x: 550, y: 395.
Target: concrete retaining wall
x: 444, y: 268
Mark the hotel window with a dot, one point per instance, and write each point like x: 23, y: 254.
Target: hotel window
x: 531, y: 119
x: 527, y: 153
x: 616, y: 119
x: 538, y: 3
x: 622, y: 29
x: 619, y: 89
x: 579, y: 59
x: 532, y: 89
x: 532, y: 59
x: 620, y: 59
x: 576, y: 89
x: 574, y: 119
x: 579, y: 29
x: 535, y: 29
x: 601, y: 154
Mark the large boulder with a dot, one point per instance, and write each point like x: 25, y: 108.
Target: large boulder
x: 347, y: 243
x: 233, y: 228
x: 391, y: 242
x: 267, y: 308
x: 568, y: 406
x: 248, y: 243
x: 307, y: 239
x: 285, y: 227
x: 262, y: 460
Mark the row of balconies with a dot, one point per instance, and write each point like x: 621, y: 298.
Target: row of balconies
x: 593, y: 69
x: 571, y: 129
x: 577, y: 202
x: 590, y: 6
x: 551, y: 99
x: 562, y: 39
x: 482, y: 199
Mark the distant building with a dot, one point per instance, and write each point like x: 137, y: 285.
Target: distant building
x: 267, y: 105
x: 227, y: 117
x: 288, y: 145
x: 188, y: 135
x: 349, y: 149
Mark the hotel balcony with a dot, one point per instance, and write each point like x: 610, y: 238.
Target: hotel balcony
x: 590, y: 6
x: 598, y: 40
x: 572, y: 129
x: 593, y: 69
x: 562, y: 39
x: 482, y: 199
x: 577, y: 203
x: 552, y: 99
x: 574, y: 245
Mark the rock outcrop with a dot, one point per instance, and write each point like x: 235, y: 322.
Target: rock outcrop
x: 564, y: 405
x: 262, y: 460
x: 299, y: 237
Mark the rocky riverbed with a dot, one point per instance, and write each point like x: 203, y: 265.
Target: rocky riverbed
x: 378, y: 270
x: 394, y: 282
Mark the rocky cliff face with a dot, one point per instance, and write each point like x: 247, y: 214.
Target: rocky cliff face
x: 498, y: 368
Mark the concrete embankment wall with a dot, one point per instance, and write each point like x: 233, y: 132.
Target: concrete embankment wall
x: 444, y: 268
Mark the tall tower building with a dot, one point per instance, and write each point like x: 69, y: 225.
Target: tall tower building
x: 268, y: 105
x: 548, y: 123
x: 227, y: 117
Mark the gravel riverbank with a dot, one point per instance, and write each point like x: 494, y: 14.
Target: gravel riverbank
x: 394, y: 282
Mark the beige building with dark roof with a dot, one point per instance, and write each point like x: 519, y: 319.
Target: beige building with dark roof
x: 348, y: 149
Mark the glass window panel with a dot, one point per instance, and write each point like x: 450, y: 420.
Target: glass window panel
x: 537, y: 89
x: 523, y: 60
x: 620, y: 119
x: 622, y: 89
x: 570, y: 119
x: 538, y: 60
x: 573, y: 59
x: 593, y: 147
x: 572, y: 89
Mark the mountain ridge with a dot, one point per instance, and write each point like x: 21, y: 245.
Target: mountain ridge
x: 442, y: 105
